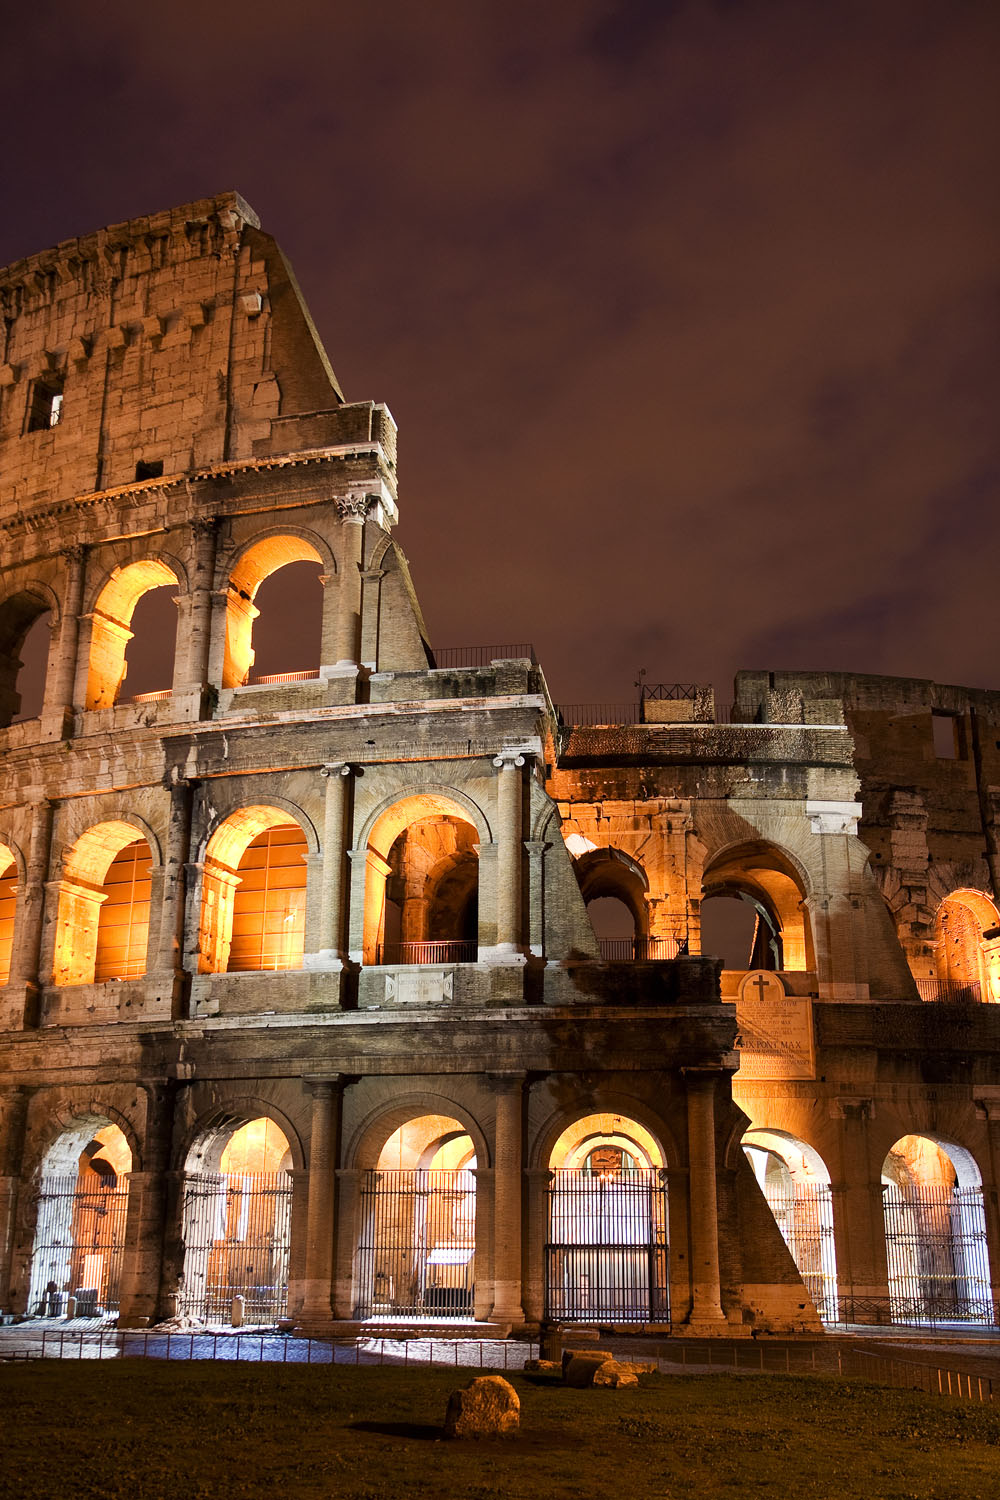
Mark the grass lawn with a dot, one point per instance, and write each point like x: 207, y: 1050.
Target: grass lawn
x: 143, y: 1430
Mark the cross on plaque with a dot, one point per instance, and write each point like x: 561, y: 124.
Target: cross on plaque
x: 761, y: 985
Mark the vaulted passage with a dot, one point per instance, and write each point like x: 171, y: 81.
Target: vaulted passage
x: 236, y: 1225
x: 114, y: 645
x: 935, y: 1231
x: 606, y: 1256
x: 422, y: 885
x: 103, y: 917
x: 417, y: 1248
x: 966, y: 950
x: 82, y: 1204
x: 284, y: 633
x: 752, y: 912
x: 253, y: 893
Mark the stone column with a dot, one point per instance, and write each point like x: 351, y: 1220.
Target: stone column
x: 333, y: 884
x: 507, y: 1190
x: 191, y: 669
x: 510, y: 790
x: 536, y: 896
x: 57, y: 714
x: 24, y: 986
x: 13, y: 1119
x: 346, y: 1232
x: 858, y: 1217
x: 323, y: 1147
x: 352, y: 510
x: 534, y: 1289
x: 372, y: 580
x: 169, y: 957
x: 706, y: 1306
x: 145, y: 1288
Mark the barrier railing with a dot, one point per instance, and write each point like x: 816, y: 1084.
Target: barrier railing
x: 452, y: 952
x: 482, y: 656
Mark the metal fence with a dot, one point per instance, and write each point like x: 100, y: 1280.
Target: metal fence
x: 938, y: 1260
x: 417, y: 1248
x: 804, y: 1214
x: 76, y: 1263
x: 482, y: 656
x: 606, y: 1259
x: 236, y: 1238
x: 950, y: 991
x: 460, y: 951
x: 638, y: 950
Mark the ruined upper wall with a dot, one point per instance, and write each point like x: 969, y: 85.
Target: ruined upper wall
x: 179, y: 340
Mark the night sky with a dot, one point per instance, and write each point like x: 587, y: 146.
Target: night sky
x: 687, y: 312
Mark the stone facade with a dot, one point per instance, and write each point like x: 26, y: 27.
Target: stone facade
x: 427, y: 840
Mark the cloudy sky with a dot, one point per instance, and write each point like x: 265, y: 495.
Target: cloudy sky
x: 687, y: 312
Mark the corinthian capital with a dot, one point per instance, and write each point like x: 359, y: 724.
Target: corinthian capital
x: 355, y: 505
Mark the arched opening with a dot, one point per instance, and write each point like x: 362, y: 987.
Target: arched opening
x: 8, y: 906
x: 935, y: 1232
x: 614, y: 890
x: 607, y: 1254
x: 236, y: 1224
x: 25, y: 639
x: 112, y: 632
x: 796, y: 1183
x: 422, y: 884
x: 966, y: 950
x: 149, y: 655
x: 102, y: 926
x: 293, y: 606
x: 82, y: 1205
x: 253, y: 893
x: 752, y: 912
x: 417, y: 1249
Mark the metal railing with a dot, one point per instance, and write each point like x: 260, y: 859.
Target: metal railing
x: 236, y: 1240
x: 669, y: 690
x: 638, y: 950
x: 950, y: 991
x: 939, y: 1270
x: 417, y: 1252
x: 158, y: 697
x: 599, y: 715
x: 482, y: 656
x: 457, y: 951
x: 804, y: 1214
x: 272, y: 677
x: 606, y: 1257
x: 79, y: 1245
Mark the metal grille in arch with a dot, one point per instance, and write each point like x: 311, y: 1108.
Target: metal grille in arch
x: 939, y: 1268
x: 79, y: 1246
x: 417, y: 1249
x: 607, y: 1258
x: 236, y: 1238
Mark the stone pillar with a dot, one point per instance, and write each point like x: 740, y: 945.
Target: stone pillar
x: 510, y: 791
x: 144, y: 1288
x: 706, y: 1304
x: 345, y: 1242
x: 536, y: 896
x: 858, y: 1218
x: 191, y: 665
x: 298, y: 1220
x: 352, y: 510
x: 372, y: 580
x: 507, y: 1191
x: 169, y: 957
x: 57, y: 714
x: 333, y: 884
x: 13, y: 1119
x: 23, y: 987
x: 534, y: 1289
x: 317, y: 1304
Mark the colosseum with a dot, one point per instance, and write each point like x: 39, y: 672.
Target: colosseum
x: 348, y: 983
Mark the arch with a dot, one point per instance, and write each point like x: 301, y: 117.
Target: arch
x: 935, y: 1232
x: 795, y: 1182
x: 81, y: 1209
x: 380, y: 830
x: 616, y: 1106
x: 20, y: 613
x: 605, y: 876
x: 111, y: 619
x: 606, y: 1252
x: 250, y: 566
x: 421, y: 880
x: 9, y: 881
x: 416, y: 1253
x: 383, y: 1120
x: 203, y: 1144
x: 236, y: 1215
x: 102, y: 922
x: 775, y: 885
x: 225, y: 851
x: 967, y: 946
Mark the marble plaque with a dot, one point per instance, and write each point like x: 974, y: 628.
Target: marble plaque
x: 775, y: 1037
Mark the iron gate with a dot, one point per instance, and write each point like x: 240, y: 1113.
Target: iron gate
x: 607, y: 1258
x: 417, y: 1249
x: 236, y: 1235
x: 804, y: 1214
x: 79, y: 1246
x: 939, y: 1269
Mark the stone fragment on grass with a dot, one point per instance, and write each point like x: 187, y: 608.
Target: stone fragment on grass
x: 543, y: 1366
x: 581, y: 1365
x: 614, y: 1374
x: 487, y: 1407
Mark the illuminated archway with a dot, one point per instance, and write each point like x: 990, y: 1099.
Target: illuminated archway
x: 417, y: 1244
x: 614, y: 889
x: 935, y: 1230
x: 422, y: 883
x: 249, y: 571
x: 82, y: 1205
x: 762, y: 878
x: 253, y: 893
x: 8, y: 907
x: 102, y: 923
x: 966, y: 948
x: 237, y: 1223
x: 606, y: 1253
x: 796, y: 1183
x: 111, y: 622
